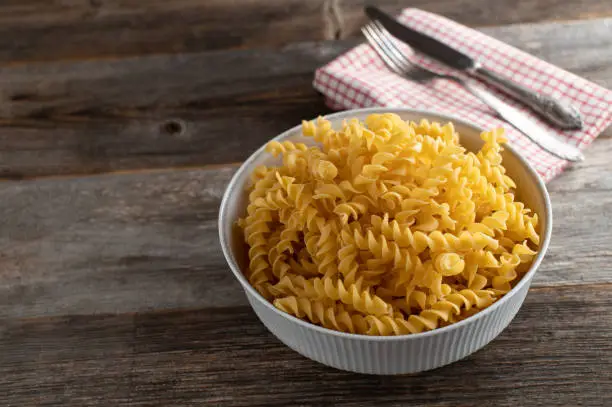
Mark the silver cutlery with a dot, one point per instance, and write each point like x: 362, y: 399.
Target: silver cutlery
x: 557, y: 112
x: 399, y: 63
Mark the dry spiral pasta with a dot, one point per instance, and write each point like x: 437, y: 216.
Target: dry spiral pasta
x: 386, y: 227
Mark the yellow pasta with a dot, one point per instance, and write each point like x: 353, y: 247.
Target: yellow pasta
x: 387, y: 227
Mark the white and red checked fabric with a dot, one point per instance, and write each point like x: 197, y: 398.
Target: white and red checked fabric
x: 359, y: 78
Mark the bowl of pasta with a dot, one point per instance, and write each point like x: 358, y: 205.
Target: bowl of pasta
x: 385, y: 241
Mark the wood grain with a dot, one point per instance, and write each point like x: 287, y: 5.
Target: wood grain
x: 113, y: 287
x: 105, y: 139
x: 34, y: 30
x: 480, y: 13
x: 98, y: 116
x: 226, y: 357
x: 81, y: 29
x: 134, y: 242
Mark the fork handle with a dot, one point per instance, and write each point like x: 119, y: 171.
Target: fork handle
x: 524, y: 124
x: 558, y: 112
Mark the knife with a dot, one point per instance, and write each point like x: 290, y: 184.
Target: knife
x: 557, y: 112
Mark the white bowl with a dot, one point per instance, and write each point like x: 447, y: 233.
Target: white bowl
x: 385, y: 354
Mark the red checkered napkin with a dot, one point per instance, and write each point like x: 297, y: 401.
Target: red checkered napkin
x: 359, y: 78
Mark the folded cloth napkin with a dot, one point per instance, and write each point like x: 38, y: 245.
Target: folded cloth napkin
x: 359, y: 78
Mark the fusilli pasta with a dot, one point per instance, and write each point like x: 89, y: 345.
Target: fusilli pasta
x: 386, y: 227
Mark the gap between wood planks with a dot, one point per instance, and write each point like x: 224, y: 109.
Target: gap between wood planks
x: 204, y: 167
x: 550, y: 286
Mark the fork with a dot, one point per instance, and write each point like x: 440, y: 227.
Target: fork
x: 380, y: 39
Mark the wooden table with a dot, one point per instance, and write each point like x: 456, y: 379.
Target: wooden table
x: 121, y: 123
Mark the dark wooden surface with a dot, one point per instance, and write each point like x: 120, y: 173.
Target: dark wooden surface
x: 78, y: 117
x: 121, y: 122
x: 225, y: 356
x: 36, y: 30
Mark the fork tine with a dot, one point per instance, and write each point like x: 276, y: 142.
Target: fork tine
x: 376, y: 43
x: 409, y: 68
x: 401, y: 67
x: 385, y: 36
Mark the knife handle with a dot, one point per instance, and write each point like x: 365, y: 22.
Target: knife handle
x: 558, y: 112
x: 519, y: 120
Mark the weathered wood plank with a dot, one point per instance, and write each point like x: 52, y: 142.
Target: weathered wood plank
x: 100, y: 140
x: 48, y: 30
x: 97, y: 116
x: 134, y: 242
x: 43, y: 30
x: 226, y: 357
x: 479, y: 13
x: 87, y: 245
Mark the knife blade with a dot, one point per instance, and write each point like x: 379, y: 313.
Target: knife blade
x: 421, y: 42
x: 557, y: 112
